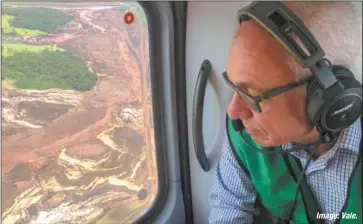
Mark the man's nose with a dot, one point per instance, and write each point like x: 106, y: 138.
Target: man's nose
x: 238, y: 108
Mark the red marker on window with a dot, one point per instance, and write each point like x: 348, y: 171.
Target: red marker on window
x: 129, y: 18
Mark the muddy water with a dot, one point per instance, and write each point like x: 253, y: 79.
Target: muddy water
x: 71, y: 157
x: 45, y: 112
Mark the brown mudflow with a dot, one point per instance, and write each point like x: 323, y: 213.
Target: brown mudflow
x: 72, y: 157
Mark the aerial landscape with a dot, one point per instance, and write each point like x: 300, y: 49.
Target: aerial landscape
x: 77, y: 129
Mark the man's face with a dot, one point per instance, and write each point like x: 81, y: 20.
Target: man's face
x: 257, y: 63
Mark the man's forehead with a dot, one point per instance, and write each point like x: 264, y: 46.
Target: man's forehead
x: 256, y: 57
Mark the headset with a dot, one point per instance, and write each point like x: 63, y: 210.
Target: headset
x: 333, y: 96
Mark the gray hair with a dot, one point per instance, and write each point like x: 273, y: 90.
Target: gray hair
x: 337, y: 26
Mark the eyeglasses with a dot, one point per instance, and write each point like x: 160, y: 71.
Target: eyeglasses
x: 254, y: 101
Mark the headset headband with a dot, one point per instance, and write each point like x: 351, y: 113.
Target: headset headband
x: 291, y: 32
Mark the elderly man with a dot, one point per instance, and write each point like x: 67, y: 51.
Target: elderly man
x: 248, y: 181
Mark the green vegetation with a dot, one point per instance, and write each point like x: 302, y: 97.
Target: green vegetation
x: 7, y: 29
x: 45, y: 67
x: 40, y: 66
x: 33, y: 18
x: 10, y: 49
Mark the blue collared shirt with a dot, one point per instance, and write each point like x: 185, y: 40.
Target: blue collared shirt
x: 233, y: 195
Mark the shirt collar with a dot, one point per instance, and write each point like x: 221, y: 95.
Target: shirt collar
x: 348, y: 139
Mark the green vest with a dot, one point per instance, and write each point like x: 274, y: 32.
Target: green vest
x: 275, y: 175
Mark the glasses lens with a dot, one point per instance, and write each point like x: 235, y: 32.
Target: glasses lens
x: 250, y: 102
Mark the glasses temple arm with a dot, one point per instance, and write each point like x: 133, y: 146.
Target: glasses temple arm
x: 279, y: 90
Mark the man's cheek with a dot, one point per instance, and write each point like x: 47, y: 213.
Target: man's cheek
x: 267, y: 107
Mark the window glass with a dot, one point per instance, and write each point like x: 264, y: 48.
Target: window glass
x: 77, y: 134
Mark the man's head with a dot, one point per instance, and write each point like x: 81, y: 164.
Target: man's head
x: 258, y: 63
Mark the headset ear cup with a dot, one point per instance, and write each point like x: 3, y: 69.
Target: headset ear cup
x: 344, y: 105
x: 342, y: 72
x: 337, y: 107
x: 346, y: 77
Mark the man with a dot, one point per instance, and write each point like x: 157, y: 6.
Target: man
x: 258, y: 63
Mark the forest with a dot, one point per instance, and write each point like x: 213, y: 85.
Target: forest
x: 41, y: 66
x: 45, y: 67
x: 7, y: 29
x: 40, y: 19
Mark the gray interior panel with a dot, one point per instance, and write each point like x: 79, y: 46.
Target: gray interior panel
x: 210, y: 29
x: 174, y: 207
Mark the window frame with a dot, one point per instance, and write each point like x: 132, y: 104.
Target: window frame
x: 168, y: 204
x: 167, y: 68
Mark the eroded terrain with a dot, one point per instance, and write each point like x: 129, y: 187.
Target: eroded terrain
x: 72, y: 157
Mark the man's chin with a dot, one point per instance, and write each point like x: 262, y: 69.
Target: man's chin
x: 264, y: 141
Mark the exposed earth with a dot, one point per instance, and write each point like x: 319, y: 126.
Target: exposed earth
x: 74, y: 157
